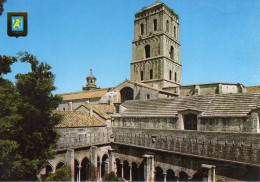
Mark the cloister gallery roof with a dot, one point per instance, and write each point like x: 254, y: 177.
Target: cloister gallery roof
x: 232, y: 105
x: 74, y: 119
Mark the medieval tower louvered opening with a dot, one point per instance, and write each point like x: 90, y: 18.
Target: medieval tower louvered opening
x: 156, y: 47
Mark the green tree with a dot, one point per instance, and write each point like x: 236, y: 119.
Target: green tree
x: 27, y: 135
x: 2, y: 6
x: 61, y: 174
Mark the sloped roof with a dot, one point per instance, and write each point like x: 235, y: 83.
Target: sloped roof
x: 233, y: 105
x: 84, y: 94
x: 75, y: 119
x: 253, y: 89
x: 100, y: 109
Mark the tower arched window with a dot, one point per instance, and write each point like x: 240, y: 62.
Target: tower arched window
x: 174, y: 31
x: 147, y: 51
x: 172, y: 52
x: 167, y: 26
x: 175, y: 76
x: 142, y: 75
x: 155, y: 24
x: 151, y: 74
x: 142, y: 28
x: 170, y: 74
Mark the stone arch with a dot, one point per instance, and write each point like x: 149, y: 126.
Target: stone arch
x: 127, y: 93
x: 118, y: 167
x: 170, y: 175
x: 135, y: 172
x: 85, y: 169
x: 76, y: 170
x: 183, y: 176
x: 48, y: 169
x: 159, y: 174
x: 59, y: 165
x: 104, y: 165
x: 126, y: 170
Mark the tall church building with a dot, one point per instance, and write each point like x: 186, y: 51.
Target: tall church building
x: 156, y: 47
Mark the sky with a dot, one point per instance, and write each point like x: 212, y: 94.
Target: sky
x: 220, y: 39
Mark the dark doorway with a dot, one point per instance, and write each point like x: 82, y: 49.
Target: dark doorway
x: 135, y: 172
x: 127, y: 93
x: 119, y: 168
x: 126, y: 170
x: 141, y: 172
x: 76, y: 170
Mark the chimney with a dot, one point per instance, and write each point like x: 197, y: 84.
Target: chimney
x: 70, y: 106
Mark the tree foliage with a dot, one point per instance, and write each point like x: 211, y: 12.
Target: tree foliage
x: 2, y: 6
x: 111, y: 177
x: 27, y: 134
x: 61, y: 174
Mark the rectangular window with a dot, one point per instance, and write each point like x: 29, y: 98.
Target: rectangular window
x: 147, y: 96
x: 151, y: 74
x: 142, y: 75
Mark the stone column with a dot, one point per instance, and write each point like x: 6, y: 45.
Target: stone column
x: 130, y: 166
x: 164, y: 177
x: 111, y: 160
x: 70, y: 161
x: 99, y: 172
x: 93, y: 158
x: 79, y: 173
x: 122, y: 169
x: 180, y: 123
x: 148, y: 167
x: 211, y: 173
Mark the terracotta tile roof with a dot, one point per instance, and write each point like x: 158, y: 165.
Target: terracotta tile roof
x: 84, y: 94
x: 233, y: 105
x: 253, y: 89
x: 75, y: 119
x: 100, y: 109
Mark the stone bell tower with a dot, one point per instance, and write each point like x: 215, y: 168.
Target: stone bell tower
x: 156, y: 47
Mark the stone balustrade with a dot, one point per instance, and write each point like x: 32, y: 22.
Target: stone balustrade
x: 201, y: 144
x: 83, y: 140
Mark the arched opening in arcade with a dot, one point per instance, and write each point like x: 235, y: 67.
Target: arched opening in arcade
x: 159, y: 174
x: 126, y: 170
x: 135, y: 172
x: 183, y: 176
x: 118, y: 168
x: 85, y: 169
x: 60, y: 164
x: 170, y: 176
x: 127, y: 93
x: 48, y: 169
x: 141, y: 172
x: 98, y: 167
x: 76, y: 170
x: 104, y: 165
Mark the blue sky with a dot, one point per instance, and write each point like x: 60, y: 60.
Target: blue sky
x: 220, y: 39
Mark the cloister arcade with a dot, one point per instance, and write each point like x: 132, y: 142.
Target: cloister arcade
x: 129, y: 170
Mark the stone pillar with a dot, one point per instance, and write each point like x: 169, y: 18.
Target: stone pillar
x: 164, y: 177
x: 197, y: 90
x: 122, y: 169
x: 70, y: 162
x: 93, y: 158
x: 211, y: 173
x: 111, y: 166
x: 130, y: 166
x: 254, y: 128
x: 70, y: 106
x: 180, y: 123
x: 79, y: 173
x: 99, y: 172
x: 148, y: 167
x: 220, y: 89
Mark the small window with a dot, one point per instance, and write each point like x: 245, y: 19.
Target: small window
x: 117, y: 108
x: 172, y: 52
x: 142, y: 75
x: 170, y: 74
x: 190, y: 122
x: 174, y: 28
x: 175, y: 76
x: 167, y: 26
x: 147, y: 96
x: 151, y: 74
x: 64, y: 109
x: 142, y: 29
x: 154, y: 24
x: 147, y: 51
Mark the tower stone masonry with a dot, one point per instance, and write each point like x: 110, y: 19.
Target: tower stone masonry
x: 156, y: 47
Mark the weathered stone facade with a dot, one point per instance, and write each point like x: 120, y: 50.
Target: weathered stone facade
x: 156, y: 47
